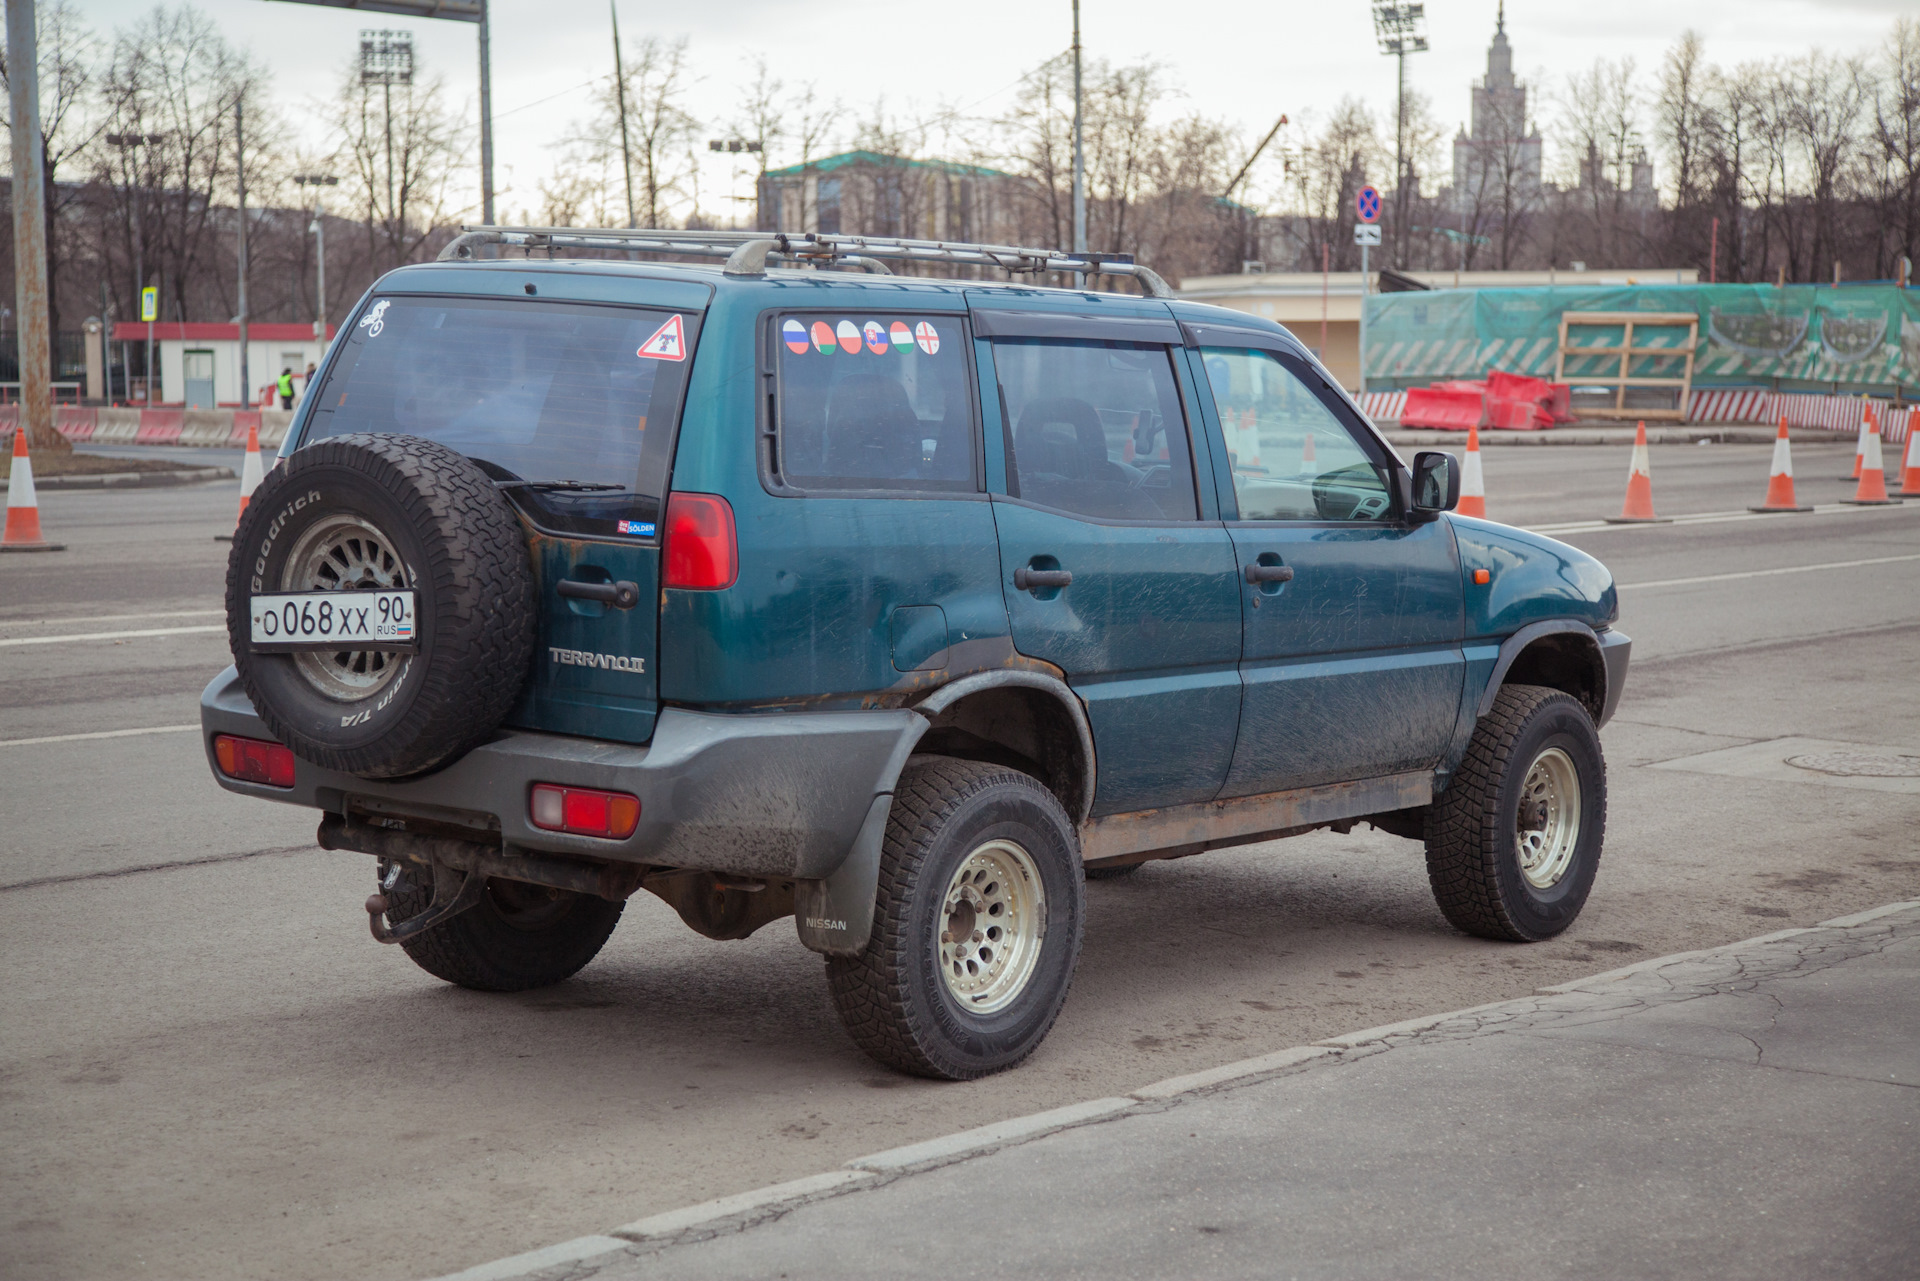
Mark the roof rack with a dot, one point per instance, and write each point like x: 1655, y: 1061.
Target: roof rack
x: 748, y: 252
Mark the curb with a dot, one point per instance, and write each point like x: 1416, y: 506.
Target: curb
x: 136, y: 479
x: 744, y: 1209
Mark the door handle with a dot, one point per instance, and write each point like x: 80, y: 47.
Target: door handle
x: 620, y: 595
x: 1028, y: 580
x: 1269, y: 573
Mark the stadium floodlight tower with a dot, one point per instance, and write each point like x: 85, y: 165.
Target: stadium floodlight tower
x: 1400, y: 29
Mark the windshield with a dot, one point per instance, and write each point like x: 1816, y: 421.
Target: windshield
x: 572, y: 406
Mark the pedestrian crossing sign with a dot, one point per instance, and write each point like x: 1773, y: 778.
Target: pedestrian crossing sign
x: 149, y: 304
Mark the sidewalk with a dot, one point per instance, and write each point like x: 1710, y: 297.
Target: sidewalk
x: 1751, y: 1111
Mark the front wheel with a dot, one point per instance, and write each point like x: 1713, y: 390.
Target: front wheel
x: 1514, y: 841
x: 977, y: 926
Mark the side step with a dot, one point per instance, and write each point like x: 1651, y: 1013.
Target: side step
x: 1180, y: 830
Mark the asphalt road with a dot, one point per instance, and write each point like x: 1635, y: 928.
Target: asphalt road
x: 208, y: 1069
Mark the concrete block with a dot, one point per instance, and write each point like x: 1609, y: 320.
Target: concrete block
x: 520, y: 1264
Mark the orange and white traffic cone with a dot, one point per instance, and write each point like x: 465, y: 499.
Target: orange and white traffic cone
x: 1309, y: 465
x: 1780, y: 483
x: 1860, y: 446
x: 1910, y: 470
x: 251, y: 475
x: 1473, y: 486
x: 1638, y: 509
x: 23, y: 508
x: 1872, y: 491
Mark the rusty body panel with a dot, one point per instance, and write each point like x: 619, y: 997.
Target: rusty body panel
x: 1179, y: 830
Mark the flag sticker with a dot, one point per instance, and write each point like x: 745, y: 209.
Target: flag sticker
x: 795, y: 335
x: 902, y: 336
x: 927, y: 337
x: 876, y: 336
x: 849, y: 337
x: 669, y: 342
x: 823, y: 336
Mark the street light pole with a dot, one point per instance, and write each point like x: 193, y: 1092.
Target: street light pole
x: 240, y: 168
x: 319, y: 230
x: 1079, y: 155
x: 1397, y: 29
x: 620, y: 98
x: 30, y: 230
x: 486, y: 120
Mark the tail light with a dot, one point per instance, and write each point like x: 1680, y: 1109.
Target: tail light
x: 702, y: 550
x: 253, y: 760
x: 584, y: 811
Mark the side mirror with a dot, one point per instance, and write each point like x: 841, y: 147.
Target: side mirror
x: 1436, y: 484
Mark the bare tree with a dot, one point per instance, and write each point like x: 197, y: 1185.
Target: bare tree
x: 1896, y: 143
x: 403, y: 189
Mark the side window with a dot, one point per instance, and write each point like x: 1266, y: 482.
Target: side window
x: 1292, y: 458
x: 1095, y: 428
x: 874, y: 401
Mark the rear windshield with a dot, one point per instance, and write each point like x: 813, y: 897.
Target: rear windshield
x: 570, y: 406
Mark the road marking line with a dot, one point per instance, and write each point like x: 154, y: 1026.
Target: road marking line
x: 1699, y: 518
x: 1766, y: 573
x: 103, y: 733
x: 99, y: 636
x: 110, y: 618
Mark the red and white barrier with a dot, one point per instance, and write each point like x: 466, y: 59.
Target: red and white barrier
x: 1384, y: 406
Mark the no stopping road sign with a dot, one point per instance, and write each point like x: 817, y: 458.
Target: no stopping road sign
x: 1367, y: 204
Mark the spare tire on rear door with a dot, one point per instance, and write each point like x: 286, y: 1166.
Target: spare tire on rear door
x: 380, y: 604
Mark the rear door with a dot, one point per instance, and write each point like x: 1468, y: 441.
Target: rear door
x: 1112, y: 567
x: 571, y: 408
x: 1352, y: 665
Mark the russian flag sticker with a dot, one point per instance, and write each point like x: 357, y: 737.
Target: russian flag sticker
x: 927, y: 337
x: 901, y: 335
x: 876, y: 335
x: 849, y: 337
x: 823, y: 336
x: 669, y: 342
x: 795, y: 334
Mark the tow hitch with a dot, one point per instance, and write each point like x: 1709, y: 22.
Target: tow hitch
x: 450, y: 898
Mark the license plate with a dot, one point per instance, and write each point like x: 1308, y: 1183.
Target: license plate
x: 332, y: 620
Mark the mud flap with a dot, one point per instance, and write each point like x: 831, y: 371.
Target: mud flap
x: 834, y: 914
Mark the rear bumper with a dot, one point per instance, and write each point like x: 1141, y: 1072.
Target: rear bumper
x: 778, y: 794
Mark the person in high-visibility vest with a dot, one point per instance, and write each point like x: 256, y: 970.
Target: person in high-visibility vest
x: 286, y: 389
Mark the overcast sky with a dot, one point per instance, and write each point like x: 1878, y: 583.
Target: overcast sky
x: 1245, y: 61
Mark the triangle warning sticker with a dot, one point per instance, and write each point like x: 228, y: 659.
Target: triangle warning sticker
x: 669, y: 342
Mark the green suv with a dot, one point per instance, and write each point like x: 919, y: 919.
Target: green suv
x: 903, y: 606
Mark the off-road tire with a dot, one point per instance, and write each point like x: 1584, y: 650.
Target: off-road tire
x: 891, y: 998
x: 465, y: 554
x: 492, y: 947
x: 1473, y: 856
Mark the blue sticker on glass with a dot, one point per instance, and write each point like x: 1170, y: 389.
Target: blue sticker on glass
x: 643, y: 528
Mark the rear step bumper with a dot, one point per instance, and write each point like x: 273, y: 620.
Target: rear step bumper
x: 769, y: 795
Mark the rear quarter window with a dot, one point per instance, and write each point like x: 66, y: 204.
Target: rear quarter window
x: 873, y: 401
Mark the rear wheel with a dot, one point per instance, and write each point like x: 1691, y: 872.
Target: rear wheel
x: 977, y: 927
x: 1514, y: 841
x: 517, y: 937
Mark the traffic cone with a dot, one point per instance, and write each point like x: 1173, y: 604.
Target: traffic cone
x: 1910, y: 473
x: 250, y: 477
x: 1473, y: 488
x: 1309, y: 466
x: 1860, y: 447
x: 1873, y: 475
x: 1638, y: 509
x: 23, y: 508
x: 1780, y: 483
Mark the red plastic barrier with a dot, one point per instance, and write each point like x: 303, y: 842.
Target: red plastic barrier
x: 1516, y: 415
x: 75, y: 423
x: 1447, y: 408
x: 242, y: 420
x: 1556, y: 399
x: 160, y: 426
